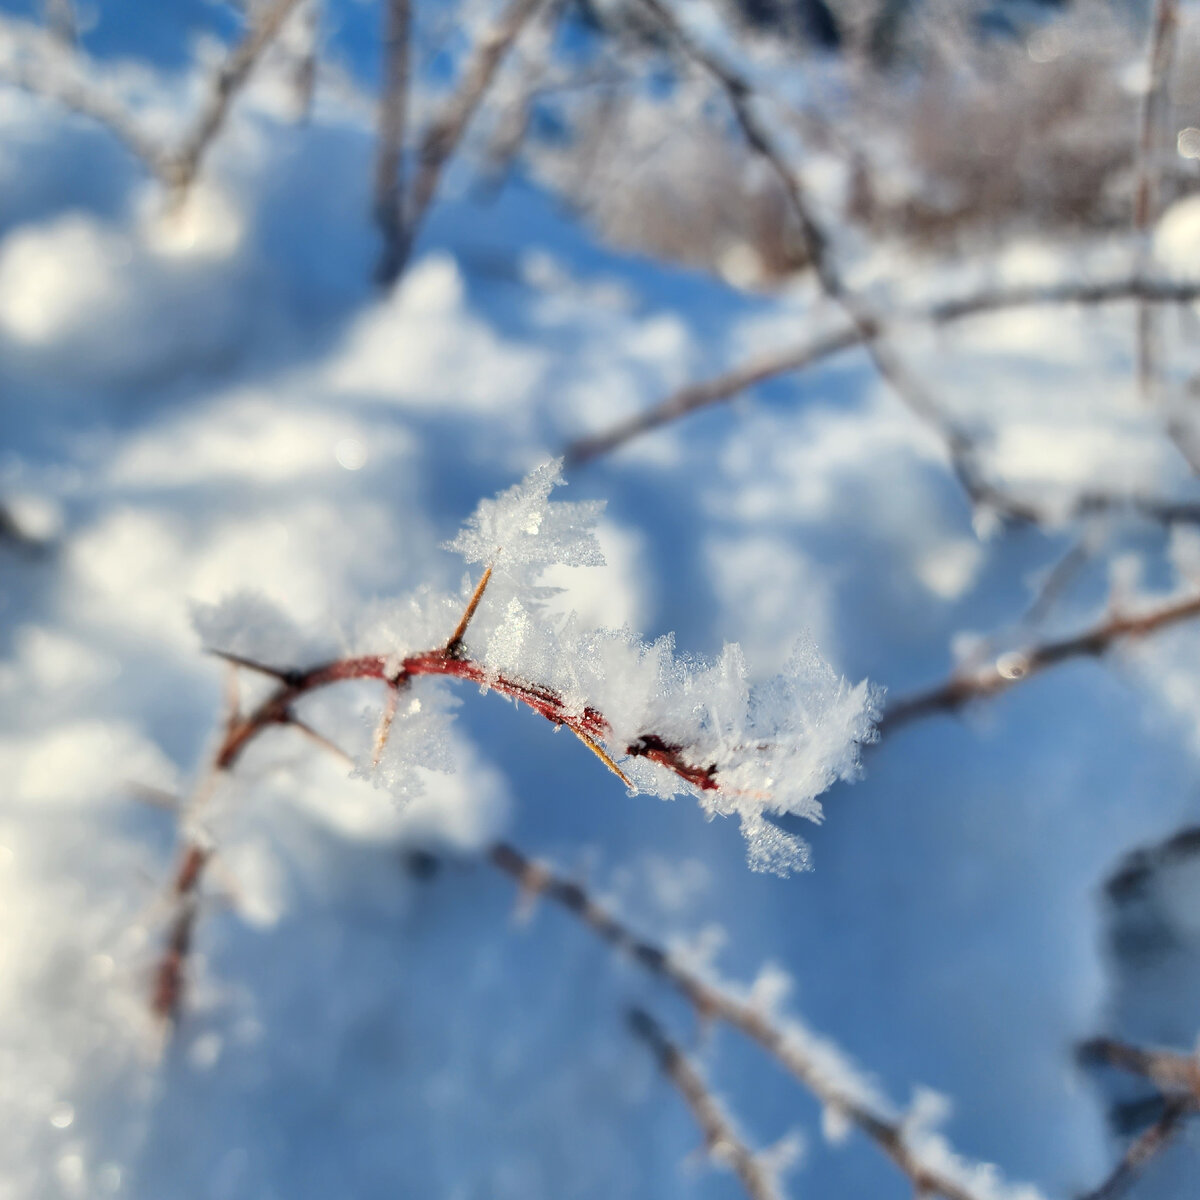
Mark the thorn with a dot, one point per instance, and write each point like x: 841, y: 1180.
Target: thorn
x: 454, y: 645
x: 320, y: 739
x: 602, y: 754
x: 238, y: 660
x: 385, y: 723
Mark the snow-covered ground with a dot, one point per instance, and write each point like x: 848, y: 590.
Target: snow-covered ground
x: 219, y: 404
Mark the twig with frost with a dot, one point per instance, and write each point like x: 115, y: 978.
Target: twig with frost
x: 1177, y: 1078
x: 444, y: 133
x: 675, y: 726
x: 815, y: 1063
x: 722, y: 1142
x: 1013, y: 667
x: 761, y: 368
x: 1145, y: 200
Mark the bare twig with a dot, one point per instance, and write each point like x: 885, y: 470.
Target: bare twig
x: 697, y: 396
x: 444, y: 134
x: 393, y: 121
x: 1014, y: 667
x: 712, y: 1003
x: 720, y: 1139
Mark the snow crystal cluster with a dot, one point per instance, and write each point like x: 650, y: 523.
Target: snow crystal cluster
x: 671, y: 723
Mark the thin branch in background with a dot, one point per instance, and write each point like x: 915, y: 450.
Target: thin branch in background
x: 444, y: 134
x: 794, y: 1053
x: 1015, y: 667
x: 720, y: 1139
x: 706, y: 393
x: 1177, y: 1078
x: 38, y: 63
x: 1155, y: 105
x: 390, y: 214
x: 1146, y: 1146
x: 184, y: 164
x: 912, y: 392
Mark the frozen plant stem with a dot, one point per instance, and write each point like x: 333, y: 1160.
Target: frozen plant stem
x: 720, y: 1140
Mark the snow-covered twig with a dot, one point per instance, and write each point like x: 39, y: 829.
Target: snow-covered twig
x: 697, y: 396
x: 720, y: 1139
x: 815, y: 1064
x: 1014, y: 667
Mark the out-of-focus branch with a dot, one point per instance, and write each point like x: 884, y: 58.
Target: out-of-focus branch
x: 1014, y: 667
x: 39, y: 63
x: 266, y: 22
x: 393, y: 121
x: 1175, y: 1075
x: 1147, y: 1145
x: 706, y: 393
x: 792, y: 1052
x: 740, y: 94
x: 722, y: 1142
x: 444, y: 134
x: 1145, y: 200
